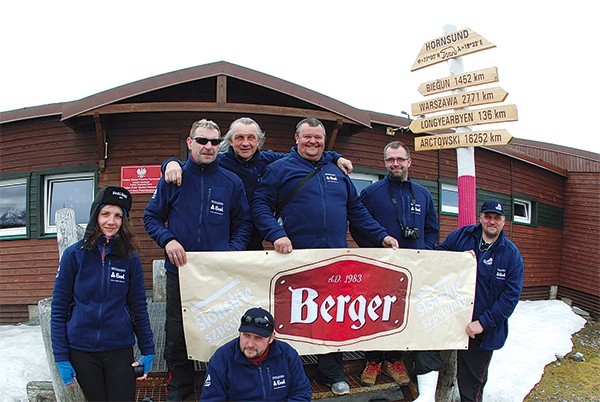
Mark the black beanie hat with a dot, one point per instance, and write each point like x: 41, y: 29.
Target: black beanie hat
x: 112, y: 195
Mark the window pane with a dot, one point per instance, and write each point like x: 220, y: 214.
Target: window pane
x: 522, y: 211
x: 13, y: 207
x: 362, y: 180
x: 75, y: 191
x: 449, y: 198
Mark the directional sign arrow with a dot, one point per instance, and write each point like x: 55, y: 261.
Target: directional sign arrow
x: 462, y: 139
x: 465, y: 118
x: 458, y: 81
x: 460, y: 100
x: 452, y: 45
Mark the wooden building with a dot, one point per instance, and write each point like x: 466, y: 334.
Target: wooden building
x: 61, y: 154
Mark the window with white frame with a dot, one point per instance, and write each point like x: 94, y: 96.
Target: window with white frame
x: 449, y: 198
x: 363, y: 180
x: 13, y: 207
x: 75, y: 191
x: 522, y: 211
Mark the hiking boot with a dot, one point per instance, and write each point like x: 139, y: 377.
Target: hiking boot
x: 370, y: 373
x: 397, y: 371
x: 340, y: 388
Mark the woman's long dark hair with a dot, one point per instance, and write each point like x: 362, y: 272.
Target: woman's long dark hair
x: 125, y: 241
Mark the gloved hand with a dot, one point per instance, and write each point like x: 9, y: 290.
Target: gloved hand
x: 146, y: 361
x: 66, y: 372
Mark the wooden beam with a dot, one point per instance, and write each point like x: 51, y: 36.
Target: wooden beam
x: 151, y: 107
x: 332, y: 137
x: 221, y: 89
x: 100, y: 141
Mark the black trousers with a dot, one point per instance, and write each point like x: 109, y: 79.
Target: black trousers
x: 472, y: 370
x: 377, y: 356
x: 180, y: 368
x: 105, y: 376
x: 427, y: 361
x: 330, y: 367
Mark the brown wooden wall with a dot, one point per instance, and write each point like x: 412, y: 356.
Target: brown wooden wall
x: 581, y: 244
x: 147, y: 139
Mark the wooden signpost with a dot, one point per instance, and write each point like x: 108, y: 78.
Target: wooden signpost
x: 450, y: 46
x: 459, y: 100
x: 465, y: 118
x: 462, y: 139
x: 473, y: 78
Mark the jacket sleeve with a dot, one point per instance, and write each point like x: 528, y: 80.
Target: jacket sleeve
x: 62, y: 297
x: 300, y: 389
x: 214, y: 388
x: 163, y: 165
x: 432, y: 231
x: 241, y: 222
x: 357, y: 235
x: 504, y: 306
x: 263, y: 206
x: 156, y: 214
x: 361, y: 218
x: 136, y: 299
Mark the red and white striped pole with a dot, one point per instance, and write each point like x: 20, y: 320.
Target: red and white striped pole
x: 465, y: 159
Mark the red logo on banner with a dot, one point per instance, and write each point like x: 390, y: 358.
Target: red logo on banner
x: 341, y: 300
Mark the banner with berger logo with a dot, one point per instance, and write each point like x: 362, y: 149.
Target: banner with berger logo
x: 330, y: 300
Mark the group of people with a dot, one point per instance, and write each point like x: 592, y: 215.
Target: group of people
x: 235, y: 200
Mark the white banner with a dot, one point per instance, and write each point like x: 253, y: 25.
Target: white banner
x: 327, y: 300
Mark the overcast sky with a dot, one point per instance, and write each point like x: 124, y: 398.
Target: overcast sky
x: 358, y: 52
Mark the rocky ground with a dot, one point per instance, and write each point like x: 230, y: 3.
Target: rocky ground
x: 575, y: 377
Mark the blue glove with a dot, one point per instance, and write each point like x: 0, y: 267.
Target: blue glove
x: 146, y: 361
x: 66, y: 371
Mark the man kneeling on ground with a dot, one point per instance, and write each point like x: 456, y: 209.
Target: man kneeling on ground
x: 255, y: 366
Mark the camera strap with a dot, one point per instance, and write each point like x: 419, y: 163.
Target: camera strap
x: 395, y: 202
x: 293, y: 192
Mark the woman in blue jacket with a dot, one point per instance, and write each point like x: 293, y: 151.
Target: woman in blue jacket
x: 99, y: 305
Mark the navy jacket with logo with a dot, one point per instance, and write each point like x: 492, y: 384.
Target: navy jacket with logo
x: 499, y: 281
x: 318, y: 214
x: 421, y: 214
x: 208, y: 212
x: 230, y: 376
x: 98, y: 305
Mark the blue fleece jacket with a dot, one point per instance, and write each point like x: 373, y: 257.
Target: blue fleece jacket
x: 318, y: 214
x: 250, y: 171
x: 98, y: 305
x: 421, y: 215
x: 230, y: 376
x: 499, y: 281
x: 208, y: 212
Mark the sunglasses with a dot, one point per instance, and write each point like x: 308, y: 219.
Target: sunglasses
x: 260, y: 321
x: 203, y: 141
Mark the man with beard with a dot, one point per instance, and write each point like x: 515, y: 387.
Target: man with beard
x: 406, y: 210
x: 255, y: 366
x: 498, y: 288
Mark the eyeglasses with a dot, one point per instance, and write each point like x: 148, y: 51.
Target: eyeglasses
x: 400, y: 159
x: 203, y: 141
x: 260, y: 321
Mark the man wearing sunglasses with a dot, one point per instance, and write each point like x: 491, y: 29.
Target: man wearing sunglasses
x: 240, y: 152
x: 208, y: 212
x: 255, y: 366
